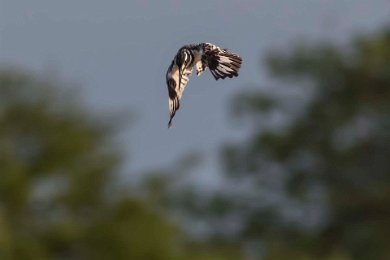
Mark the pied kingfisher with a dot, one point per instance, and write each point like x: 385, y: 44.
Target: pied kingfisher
x: 221, y: 63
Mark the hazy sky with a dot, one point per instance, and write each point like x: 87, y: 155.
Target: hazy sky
x: 119, y: 52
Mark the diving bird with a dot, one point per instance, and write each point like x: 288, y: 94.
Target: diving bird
x: 221, y: 62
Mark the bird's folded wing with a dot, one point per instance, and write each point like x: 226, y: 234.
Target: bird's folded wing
x: 175, y: 92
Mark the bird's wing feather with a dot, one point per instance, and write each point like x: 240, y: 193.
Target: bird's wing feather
x: 175, y: 92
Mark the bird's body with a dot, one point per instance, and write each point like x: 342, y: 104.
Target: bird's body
x: 221, y: 63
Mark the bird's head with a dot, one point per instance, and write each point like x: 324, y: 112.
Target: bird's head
x: 183, y: 57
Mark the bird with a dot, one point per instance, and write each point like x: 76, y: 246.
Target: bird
x: 221, y: 62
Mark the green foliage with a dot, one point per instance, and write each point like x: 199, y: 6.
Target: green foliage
x: 317, y: 184
x: 58, y: 173
x: 329, y: 167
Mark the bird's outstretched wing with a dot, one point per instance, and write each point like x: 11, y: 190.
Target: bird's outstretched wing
x: 174, y: 91
x: 221, y: 62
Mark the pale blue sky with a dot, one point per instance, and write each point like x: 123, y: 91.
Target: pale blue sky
x: 119, y: 52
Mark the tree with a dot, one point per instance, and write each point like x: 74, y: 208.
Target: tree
x: 58, y: 179
x: 327, y: 170
x: 312, y: 179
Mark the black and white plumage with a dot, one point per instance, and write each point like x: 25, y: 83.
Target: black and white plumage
x: 221, y: 63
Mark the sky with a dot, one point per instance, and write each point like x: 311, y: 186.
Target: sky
x: 118, y: 53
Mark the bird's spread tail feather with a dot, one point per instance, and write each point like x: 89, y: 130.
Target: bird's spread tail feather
x: 224, y: 64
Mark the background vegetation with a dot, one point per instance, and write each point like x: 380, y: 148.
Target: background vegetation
x: 310, y: 181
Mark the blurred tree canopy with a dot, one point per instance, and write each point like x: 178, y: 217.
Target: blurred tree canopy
x: 310, y: 181
x: 57, y: 166
x: 59, y: 195
x: 320, y: 185
x: 312, y: 178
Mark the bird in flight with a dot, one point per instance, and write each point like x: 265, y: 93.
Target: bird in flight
x: 221, y: 62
